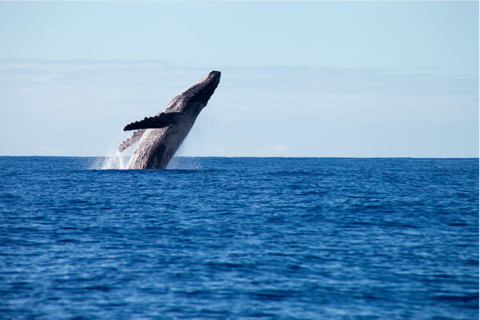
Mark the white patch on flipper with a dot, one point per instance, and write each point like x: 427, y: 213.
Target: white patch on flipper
x: 132, y: 140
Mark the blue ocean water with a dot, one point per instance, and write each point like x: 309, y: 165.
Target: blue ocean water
x: 240, y: 238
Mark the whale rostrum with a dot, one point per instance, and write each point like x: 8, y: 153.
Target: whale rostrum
x: 160, y: 136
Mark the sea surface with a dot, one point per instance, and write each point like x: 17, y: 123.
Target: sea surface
x: 240, y: 238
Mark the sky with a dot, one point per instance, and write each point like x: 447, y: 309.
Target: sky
x: 301, y: 79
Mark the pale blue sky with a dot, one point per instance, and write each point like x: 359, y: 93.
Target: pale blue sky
x: 355, y: 79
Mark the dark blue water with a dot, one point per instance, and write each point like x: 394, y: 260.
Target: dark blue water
x: 231, y: 238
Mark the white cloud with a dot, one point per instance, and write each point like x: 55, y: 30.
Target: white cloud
x: 78, y: 107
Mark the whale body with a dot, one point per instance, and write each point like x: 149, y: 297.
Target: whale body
x: 160, y: 136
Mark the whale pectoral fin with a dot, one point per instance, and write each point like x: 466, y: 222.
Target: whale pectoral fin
x: 133, y: 139
x: 160, y: 121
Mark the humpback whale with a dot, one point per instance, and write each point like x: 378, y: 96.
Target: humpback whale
x: 160, y: 136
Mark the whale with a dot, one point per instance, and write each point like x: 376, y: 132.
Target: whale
x: 160, y: 136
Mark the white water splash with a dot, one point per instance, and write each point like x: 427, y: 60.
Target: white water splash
x: 115, y: 159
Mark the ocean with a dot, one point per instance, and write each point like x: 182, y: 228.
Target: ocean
x: 240, y: 238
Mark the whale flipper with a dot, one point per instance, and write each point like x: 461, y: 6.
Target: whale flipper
x: 137, y: 135
x: 161, y: 120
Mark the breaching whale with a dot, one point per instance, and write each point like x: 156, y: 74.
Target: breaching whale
x: 160, y: 136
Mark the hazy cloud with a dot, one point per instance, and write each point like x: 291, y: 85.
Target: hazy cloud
x: 78, y: 107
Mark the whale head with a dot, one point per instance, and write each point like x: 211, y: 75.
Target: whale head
x: 201, y: 92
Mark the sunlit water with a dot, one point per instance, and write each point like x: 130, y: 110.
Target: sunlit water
x: 228, y: 238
